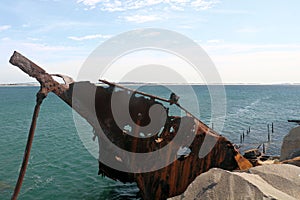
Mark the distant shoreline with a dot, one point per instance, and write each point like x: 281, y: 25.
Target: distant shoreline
x: 140, y: 83
x: 19, y: 85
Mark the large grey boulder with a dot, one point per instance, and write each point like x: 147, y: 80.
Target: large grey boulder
x: 280, y: 181
x: 283, y: 177
x: 291, y: 145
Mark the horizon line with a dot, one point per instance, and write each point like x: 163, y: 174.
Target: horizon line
x: 153, y: 83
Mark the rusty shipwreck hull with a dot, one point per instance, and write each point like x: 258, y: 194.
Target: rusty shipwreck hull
x: 162, y: 182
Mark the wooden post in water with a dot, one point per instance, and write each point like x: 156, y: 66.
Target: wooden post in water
x: 272, y: 127
x: 264, y: 149
x: 269, y: 133
x: 241, y: 139
x: 249, y: 130
x: 243, y: 135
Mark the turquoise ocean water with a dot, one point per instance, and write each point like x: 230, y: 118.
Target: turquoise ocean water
x: 61, y: 168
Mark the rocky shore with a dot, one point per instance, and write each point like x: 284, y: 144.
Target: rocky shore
x: 268, y: 181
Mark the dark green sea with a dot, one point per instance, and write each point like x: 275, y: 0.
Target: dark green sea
x: 61, y: 168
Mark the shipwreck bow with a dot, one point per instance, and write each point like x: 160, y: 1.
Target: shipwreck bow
x: 170, y: 180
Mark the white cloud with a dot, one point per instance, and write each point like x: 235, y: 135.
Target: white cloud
x: 141, y: 18
x: 8, y: 45
x: 45, y: 47
x: 203, y: 5
x: 248, y: 30
x: 42, y: 54
x: 25, y: 25
x: 90, y: 3
x: 177, y: 5
x: 5, y: 39
x: 89, y: 37
x: 231, y: 12
x: 33, y: 39
x: 4, y: 27
x: 65, y: 24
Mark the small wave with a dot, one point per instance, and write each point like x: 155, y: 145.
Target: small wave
x: 38, y: 182
x: 247, y: 108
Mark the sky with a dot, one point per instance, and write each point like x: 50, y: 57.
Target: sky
x: 254, y: 41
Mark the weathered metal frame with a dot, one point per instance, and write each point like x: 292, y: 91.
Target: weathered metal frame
x: 168, y: 181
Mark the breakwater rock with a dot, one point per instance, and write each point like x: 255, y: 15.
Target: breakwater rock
x: 291, y: 145
x: 276, y: 181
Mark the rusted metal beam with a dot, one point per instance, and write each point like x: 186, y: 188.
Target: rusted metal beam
x: 28, y: 147
x: 48, y: 84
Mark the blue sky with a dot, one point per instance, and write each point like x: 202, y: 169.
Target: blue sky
x: 254, y: 41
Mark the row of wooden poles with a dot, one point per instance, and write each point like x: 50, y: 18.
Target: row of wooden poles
x: 242, y: 136
x: 270, y: 130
